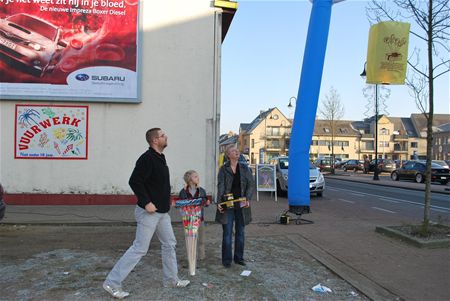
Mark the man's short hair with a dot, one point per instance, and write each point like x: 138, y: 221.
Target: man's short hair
x: 151, y: 134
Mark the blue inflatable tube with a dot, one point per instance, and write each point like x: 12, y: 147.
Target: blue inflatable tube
x: 306, y: 107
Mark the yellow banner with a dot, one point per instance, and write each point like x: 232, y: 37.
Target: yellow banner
x: 387, y: 53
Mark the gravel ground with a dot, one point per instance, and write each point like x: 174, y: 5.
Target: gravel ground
x: 70, y: 263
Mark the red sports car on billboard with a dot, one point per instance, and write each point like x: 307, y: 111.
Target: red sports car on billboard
x: 30, y: 42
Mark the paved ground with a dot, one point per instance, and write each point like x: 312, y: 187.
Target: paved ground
x: 66, y: 251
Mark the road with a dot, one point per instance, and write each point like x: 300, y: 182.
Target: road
x: 389, y: 200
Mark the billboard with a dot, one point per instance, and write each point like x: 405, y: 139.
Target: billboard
x: 51, y: 132
x: 69, y: 49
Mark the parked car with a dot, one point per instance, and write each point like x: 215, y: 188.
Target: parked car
x: 32, y: 42
x: 441, y: 163
x: 354, y: 165
x: 316, y: 179
x: 340, y: 164
x: 415, y: 170
x: 386, y: 165
x: 323, y: 163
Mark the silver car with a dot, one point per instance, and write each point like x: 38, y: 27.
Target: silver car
x: 32, y: 42
x: 316, y: 179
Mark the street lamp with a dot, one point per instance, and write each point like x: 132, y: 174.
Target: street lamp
x: 375, y: 173
x: 290, y: 105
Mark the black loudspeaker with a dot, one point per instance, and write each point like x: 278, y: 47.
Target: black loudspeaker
x: 284, y: 219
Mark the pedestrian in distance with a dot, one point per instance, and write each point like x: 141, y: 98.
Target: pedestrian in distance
x: 366, y: 164
x: 150, y: 182
x: 235, y: 179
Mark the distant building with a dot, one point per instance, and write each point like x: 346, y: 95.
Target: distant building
x: 346, y: 140
x: 226, y: 140
x: 267, y: 136
x: 441, y: 146
x: 399, y: 138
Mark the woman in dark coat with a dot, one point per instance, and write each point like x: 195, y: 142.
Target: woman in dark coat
x: 237, y: 179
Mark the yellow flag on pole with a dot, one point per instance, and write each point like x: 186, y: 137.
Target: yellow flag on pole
x: 387, y: 53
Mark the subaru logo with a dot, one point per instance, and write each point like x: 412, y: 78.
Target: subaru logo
x: 82, y: 77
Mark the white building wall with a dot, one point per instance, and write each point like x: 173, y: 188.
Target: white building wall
x: 180, y: 57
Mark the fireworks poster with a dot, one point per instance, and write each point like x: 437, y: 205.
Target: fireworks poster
x: 69, y: 49
x: 51, y: 132
x: 265, y: 177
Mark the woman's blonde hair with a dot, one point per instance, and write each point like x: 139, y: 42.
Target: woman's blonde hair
x: 187, y: 175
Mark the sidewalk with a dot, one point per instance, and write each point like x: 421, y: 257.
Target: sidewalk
x: 283, y: 258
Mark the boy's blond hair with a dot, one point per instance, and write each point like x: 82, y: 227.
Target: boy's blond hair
x: 187, y: 176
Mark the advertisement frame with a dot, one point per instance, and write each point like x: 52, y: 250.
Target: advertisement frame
x: 273, y: 177
x: 51, y: 105
x: 90, y: 98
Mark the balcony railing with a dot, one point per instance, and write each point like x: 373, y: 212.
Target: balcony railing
x: 275, y: 136
x: 367, y: 136
x: 401, y: 137
x: 273, y: 148
x: 400, y: 149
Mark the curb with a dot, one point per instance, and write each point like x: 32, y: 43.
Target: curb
x: 417, y: 242
x: 365, y: 285
x: 447, y: 191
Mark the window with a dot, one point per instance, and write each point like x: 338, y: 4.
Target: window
x: 343, y: 130
x: 273, y: 144
x: 384, y: 131
x: 414, y: 144
x: 341, y: 143
x: 314, y: 142
x: 326, y: 130
x: 253, y: 143
x: 273, y: 131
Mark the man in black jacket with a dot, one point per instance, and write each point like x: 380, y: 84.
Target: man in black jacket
x: 150, y: 182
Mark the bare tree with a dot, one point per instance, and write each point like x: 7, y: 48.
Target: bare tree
x: 432, y: 20
x: 332, y: 110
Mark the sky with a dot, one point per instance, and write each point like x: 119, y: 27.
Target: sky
x: 262, y: 57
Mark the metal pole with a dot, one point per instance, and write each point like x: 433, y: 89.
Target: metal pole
x: 375, y: 173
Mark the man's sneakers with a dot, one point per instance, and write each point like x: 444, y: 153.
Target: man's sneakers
x: 179, y: 283
x: 115, y: 292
